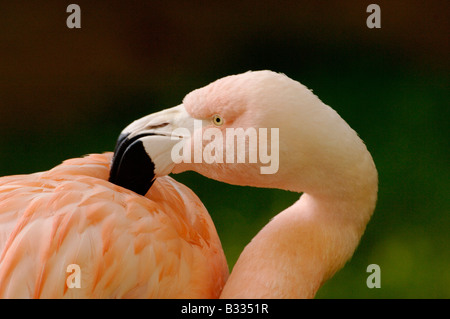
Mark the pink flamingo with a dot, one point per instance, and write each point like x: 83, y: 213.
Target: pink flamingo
x: 165, y: 244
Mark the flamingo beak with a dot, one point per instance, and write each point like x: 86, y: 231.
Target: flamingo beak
x: 143, y: 149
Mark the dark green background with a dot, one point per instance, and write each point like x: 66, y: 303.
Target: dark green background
x: 65, y: 93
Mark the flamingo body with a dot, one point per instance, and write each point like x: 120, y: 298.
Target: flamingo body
x: 126, y: 245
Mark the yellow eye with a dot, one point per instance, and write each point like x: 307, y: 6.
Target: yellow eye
x: 217, y: 120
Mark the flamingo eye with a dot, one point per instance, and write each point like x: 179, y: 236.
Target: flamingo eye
x: 217, y: 120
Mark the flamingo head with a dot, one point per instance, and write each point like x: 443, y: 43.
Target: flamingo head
x: 254, y: 128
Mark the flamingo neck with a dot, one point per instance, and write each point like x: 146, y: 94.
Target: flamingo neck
x: 304, y: 245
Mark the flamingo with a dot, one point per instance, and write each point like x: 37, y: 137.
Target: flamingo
x: 142, y: 234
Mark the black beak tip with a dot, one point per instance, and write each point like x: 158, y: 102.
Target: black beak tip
x: 131, y: 167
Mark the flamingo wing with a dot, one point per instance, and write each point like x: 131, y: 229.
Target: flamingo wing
x: 163, y: 245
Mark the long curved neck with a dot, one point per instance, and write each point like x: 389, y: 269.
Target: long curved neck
x: 307, y: 243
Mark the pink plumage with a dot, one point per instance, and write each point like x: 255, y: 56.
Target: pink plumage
x: 126, y: 245
x: 164, y: 244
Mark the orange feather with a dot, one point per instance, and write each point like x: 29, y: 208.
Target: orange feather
x: 163, y: 245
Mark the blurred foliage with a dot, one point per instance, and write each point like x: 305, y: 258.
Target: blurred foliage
x: 65, y: 93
